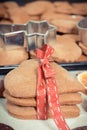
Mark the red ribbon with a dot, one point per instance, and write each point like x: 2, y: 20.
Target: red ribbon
x: 47, y: 91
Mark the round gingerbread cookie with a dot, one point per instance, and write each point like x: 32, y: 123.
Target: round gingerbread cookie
x: 21, y: 82
x: 63, y: 7
x: 80, y: 8
x: 31, y: 113
x: 65, y: 26
x: 70, y: 98
x: 21, y: 112
x: 34, y: 8
x: 21, y: 17
x: 12, y: 54
x: 20, y: 101
x: 84, y: 48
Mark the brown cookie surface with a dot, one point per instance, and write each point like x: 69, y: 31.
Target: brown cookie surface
x: 69, y: 111
x: 70, y: 98
x: 10, y: 4
x: 65, y: 50
x: 84, y: 48
x: 12, y: 55
x: 80, y: 8
x: 20, y: 17
x: 21, y: 82
x: 20, y: 101
x: 3, y: 12
x: 74, y: 37
x: 57, y: 16
x: 32, y: 8
x: 65, y: 26
x: 82, y: 58
x: 63, y: 7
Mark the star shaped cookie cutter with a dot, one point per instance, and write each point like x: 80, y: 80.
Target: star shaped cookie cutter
x: 34, y: 34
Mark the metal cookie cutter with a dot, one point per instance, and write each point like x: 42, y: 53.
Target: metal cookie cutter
x: 82, y: 28
x: 34, y: 34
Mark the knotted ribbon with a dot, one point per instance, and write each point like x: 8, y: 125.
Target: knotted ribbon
x: 47, y: 90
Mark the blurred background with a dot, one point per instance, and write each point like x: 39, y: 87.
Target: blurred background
x: 22, y: 2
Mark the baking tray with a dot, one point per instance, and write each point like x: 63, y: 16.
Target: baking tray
x: 5, y: 69
x: 36, y: 32
x: 69, y: 66
x: 75, y: 66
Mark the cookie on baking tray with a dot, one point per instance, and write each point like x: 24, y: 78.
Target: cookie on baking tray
x: 32, y: 8
x: 3, y: 12
x: 82, y: 58
x: 63, y: 7
x: 80, y: 8
x: 18, y: 16
x: 57, y: 16
x: 49, y: 15
x: 74, y: 37
x: 10, y: 4
x: 84, y: 48
x: 65, y: 50
x: 12, y: 55
x: 74, y: 8
x: 65, y: 26
x: 5, y: 21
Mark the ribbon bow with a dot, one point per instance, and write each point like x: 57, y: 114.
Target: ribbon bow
x: 47, y: 92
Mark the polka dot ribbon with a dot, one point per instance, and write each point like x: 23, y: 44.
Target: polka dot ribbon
x: 47, y: 91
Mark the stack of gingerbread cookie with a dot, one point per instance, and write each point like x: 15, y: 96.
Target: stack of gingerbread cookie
x: 20, y: 91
